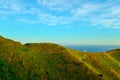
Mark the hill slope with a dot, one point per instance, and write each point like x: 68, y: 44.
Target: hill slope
x: 46, y: 61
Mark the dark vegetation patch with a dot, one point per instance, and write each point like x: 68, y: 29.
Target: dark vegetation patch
x: 100, y: 75
x: 83, y: 59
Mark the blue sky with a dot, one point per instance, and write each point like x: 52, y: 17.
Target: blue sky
x: 66, y: 22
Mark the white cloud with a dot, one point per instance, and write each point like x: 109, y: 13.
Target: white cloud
x: 109, y: 18
x: 28, y: 21
x: 46, y: 19
x: 30, y: 13
x: 63, y: 12
x: 52, y: 20
x: 85, y: 10
x: 58, y: 5
x: 105, y: 14
x: 11, y: 7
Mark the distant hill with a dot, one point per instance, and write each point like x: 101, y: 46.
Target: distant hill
x: 47, y: 61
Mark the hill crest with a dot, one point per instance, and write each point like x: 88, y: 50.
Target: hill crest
x: 48, y: 61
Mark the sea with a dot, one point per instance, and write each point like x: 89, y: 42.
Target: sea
x: 95, y: 48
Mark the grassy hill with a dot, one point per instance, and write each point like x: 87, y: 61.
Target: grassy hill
x: 46, y: 61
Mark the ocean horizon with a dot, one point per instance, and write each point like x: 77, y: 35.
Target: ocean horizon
x: 94, y: 48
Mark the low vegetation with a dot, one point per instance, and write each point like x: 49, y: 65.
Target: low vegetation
x: 46, y: 61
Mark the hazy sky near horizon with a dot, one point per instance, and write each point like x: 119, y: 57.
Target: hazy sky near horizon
x: 67, y: 22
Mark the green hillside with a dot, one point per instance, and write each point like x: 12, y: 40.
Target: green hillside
x: 47, y: 61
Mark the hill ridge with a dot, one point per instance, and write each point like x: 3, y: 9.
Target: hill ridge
x: 49, y: 61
